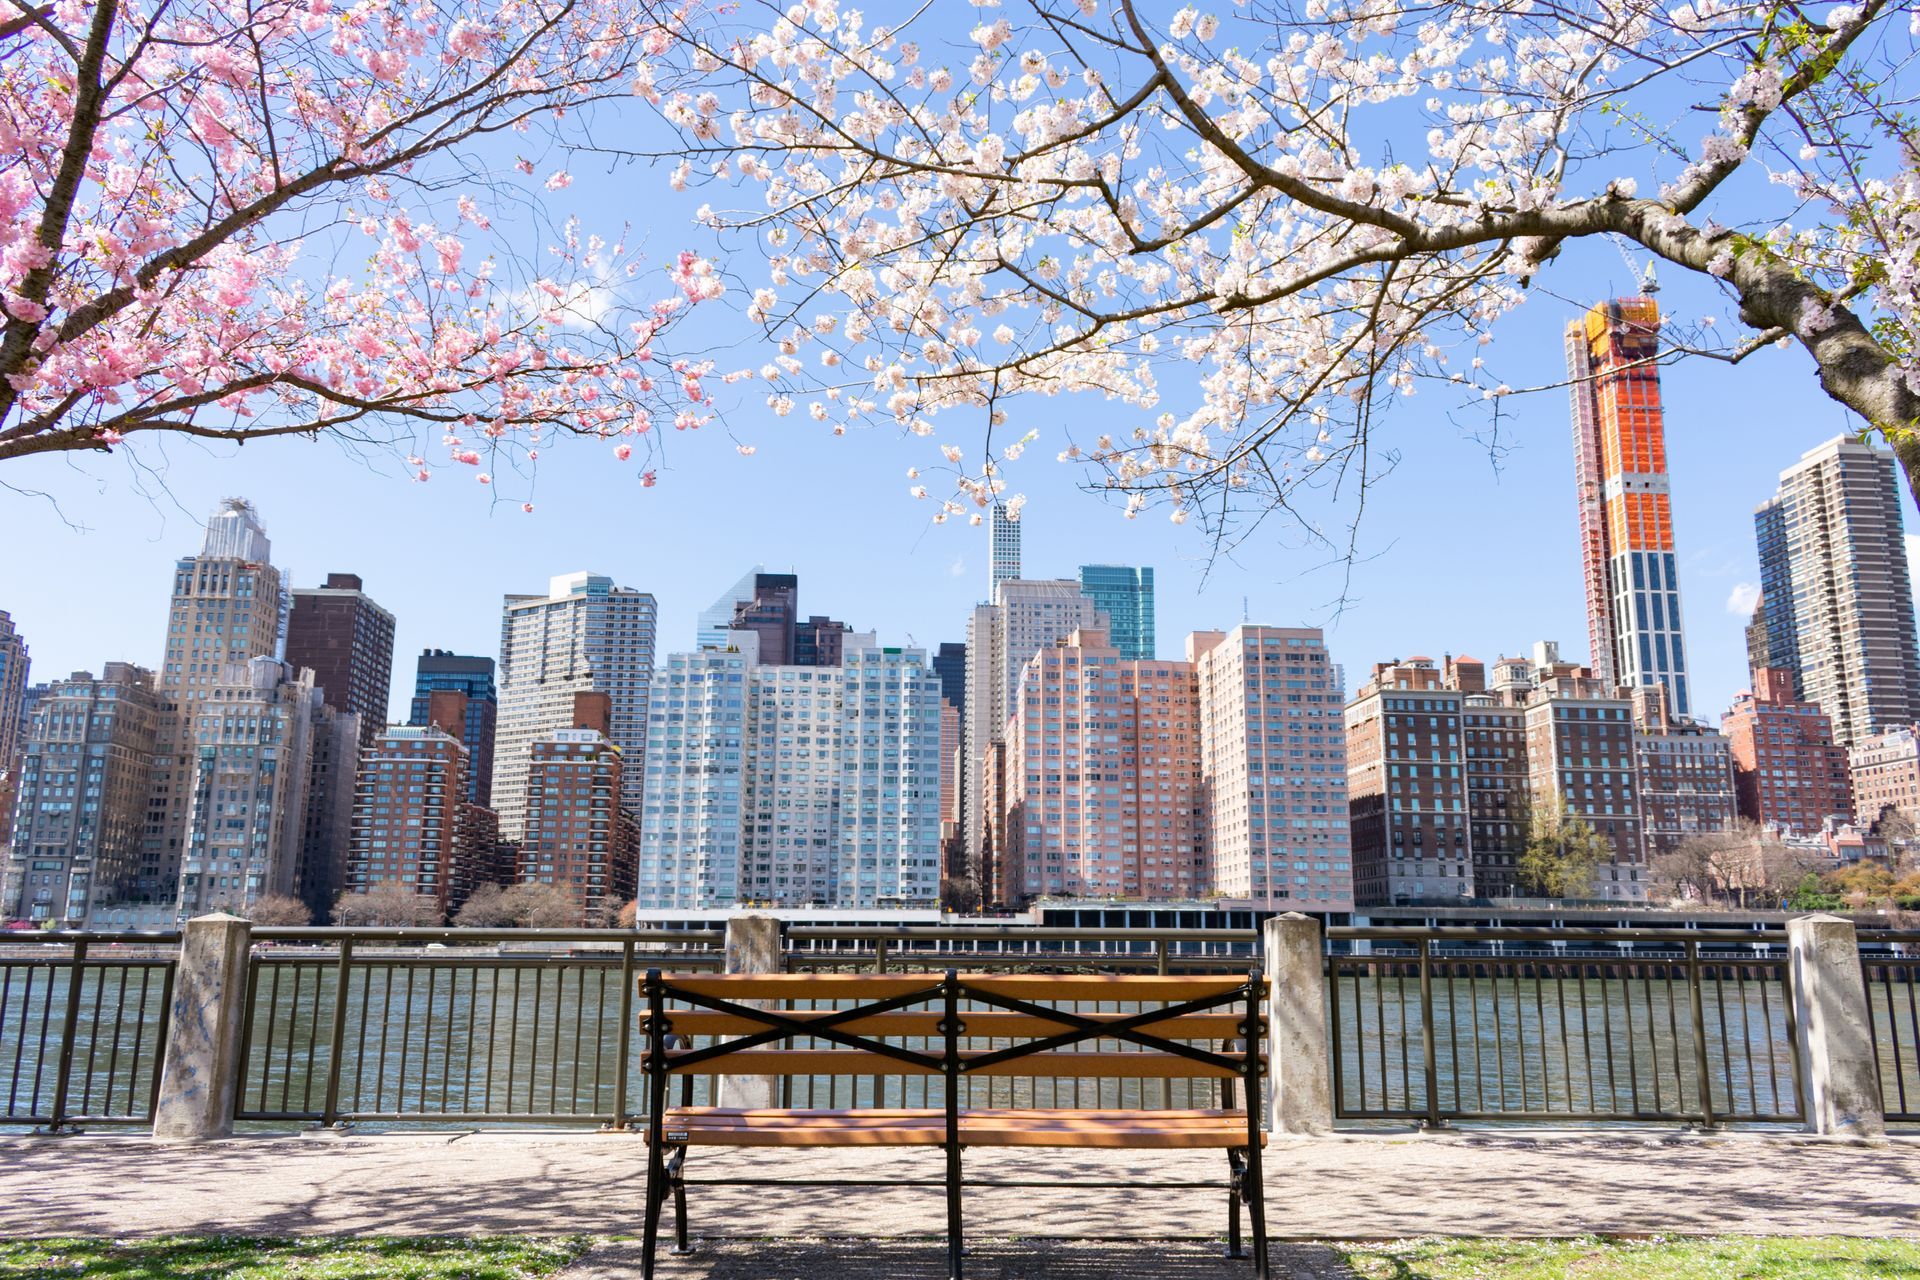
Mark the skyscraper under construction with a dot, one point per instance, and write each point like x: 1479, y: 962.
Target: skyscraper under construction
x: 1626, y: 521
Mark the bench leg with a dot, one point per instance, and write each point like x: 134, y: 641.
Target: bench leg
x: 1236, y: 1188
x: 953, y: 1213
x: 656, y: 1196
x: 676, y: 1168
x: 1257, y: 1212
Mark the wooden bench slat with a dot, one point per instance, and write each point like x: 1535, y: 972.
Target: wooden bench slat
x: 1134, y: 1065
x: 992, y: 1023
x: 1007, y: 1127
x: 1038, y: 987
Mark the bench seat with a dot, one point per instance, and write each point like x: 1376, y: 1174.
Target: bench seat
x: 979, y: 1127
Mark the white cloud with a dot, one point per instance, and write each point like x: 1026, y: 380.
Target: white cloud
x: 1742, y: 598
x: 958, y: 568
x: 1913, y: 553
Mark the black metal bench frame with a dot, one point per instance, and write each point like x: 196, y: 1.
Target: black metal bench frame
x: 666, y: 1172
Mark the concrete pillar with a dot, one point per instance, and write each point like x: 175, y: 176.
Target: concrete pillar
x: 1298, y: 1059
x: 1840, y: 1081
x: 200, y: 1075
x: 754, y: 945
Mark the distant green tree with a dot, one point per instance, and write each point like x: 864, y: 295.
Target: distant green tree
x: 1809, y: 896
x: 1562, y: 853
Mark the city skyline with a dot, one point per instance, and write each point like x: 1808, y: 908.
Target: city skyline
x: 440, y: 558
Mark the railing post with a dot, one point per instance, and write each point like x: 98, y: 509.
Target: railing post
x: 1840, y: 1077
x: 200, y: 1077
x: 626, y: 1036
x: 754, y: 945
x: 1297, y: 1026
x: 1702, y: 1072
x: 337, y: 1037
x: 69, y: 1028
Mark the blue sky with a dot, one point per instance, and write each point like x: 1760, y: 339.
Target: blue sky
x: 1457, y: 555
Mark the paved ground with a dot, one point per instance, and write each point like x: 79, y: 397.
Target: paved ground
x: 1367, y: 1188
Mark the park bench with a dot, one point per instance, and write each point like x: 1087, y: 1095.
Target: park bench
x: 954, y: 1027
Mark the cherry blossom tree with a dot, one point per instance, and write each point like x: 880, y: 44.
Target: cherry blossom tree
x: 1252, y: 230
x: 233, y: 219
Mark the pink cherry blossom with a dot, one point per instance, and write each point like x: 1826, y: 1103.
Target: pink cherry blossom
x: 351, y: 280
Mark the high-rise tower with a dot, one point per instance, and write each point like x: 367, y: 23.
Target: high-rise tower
x: 225, y: 612
x: 1833, y: 571
x: 1626, y: 522
x: 586, y: 635
x: 1125, y: 595
x: 472, y: 677
x: 1003, y: 557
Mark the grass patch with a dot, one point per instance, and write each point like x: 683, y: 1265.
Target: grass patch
x: 1719, y: 1258
x: 246, y: 1258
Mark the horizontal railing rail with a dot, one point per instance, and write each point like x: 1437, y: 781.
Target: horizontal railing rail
x: 83, y: 1026
x: 1691, y: 1026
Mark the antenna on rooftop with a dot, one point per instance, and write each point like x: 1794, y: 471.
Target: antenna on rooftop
x: 1245, y: 611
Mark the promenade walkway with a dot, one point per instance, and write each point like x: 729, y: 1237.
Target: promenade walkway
x: 1319, y: 1189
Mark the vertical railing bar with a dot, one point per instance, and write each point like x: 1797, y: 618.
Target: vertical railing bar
x: 625, y: 1035
x: 1913, y: 1015
x: 513, y: 1040
x: 337, y: 1035
x: 69, y: 1029
x: 318, y: 970
x: 1653, y: 1036
x: 1726, y: 1046
x: 1893, y: 1036
x: 160, y: 1034
x: 406, y: 1039
x: 20, y: 1048
x: 1586, y: 1042
x: 360, y: 1055
x: 40, y: 1057
x: 1566, y: 1040
x: 1499, y: 1033
x: 1429, y: 1054
x: 380, y: 1094
x: 119, y: 1025
x: 1336, y: 1034
x: 1540, y: 1029
x: 1479, y: 1067
x: 93, y: 1040
x: 1696, y: 999
x: 273, y: 1021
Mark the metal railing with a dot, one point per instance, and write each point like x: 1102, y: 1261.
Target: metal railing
x: 1437, y: 1025
x: 1890, y: 967
x: 83, y: 1026
x: 396, y: 1025
x: 453, y: 1026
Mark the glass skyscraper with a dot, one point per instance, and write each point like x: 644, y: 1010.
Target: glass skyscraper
x: 1125, y: 595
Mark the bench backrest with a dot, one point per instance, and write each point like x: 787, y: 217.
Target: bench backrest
x: 964, y: 1025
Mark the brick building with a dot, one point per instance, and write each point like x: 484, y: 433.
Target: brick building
x: 412, y: 822
x: 1886, y: 774
x: 1788, y: 771
x: 577, y: 836
x: 347, y: 640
